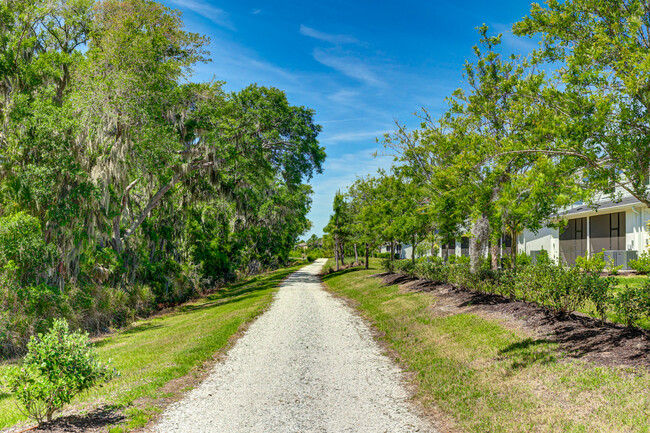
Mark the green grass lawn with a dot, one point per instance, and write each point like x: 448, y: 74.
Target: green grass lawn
x: 632, y: 280
x: 485, y: 377
x: 152, y: 352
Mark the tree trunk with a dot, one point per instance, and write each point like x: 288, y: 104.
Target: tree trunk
x: 356, y: 254
x: 513, y: 249
x: 494, y: 252
x: 413, y: 250
x: 367, y: 256
x: 479, y: 242
x: 445, y: 251
x: 336, y: 253
x: 342, y: 253
x: 392, y: 252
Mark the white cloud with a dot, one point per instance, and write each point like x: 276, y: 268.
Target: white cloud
x: 327, y: 37
x: 256, y: 11
x: 240, y: 66
x: 214, y: 14
x: 357, y: 135
x: 350, y: 67
x: 521, y: 45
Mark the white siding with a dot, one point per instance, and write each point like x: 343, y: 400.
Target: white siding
x: 545, y: 239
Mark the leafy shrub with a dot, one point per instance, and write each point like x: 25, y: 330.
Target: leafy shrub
x: 433, y: 270
x: 642, y: 264
x: 542, y: 257
x: 591, y: 264
x: 383, y: 255
x: 387, y: 265
x: 633, y: 303
x: 599, y: 292
x: 523, y: 260
x: 58, y: 366
x: 314, y: 254
x: 563, y: 289
x: 404, y: 267
x: 611, y: 269
x: 460, y: 275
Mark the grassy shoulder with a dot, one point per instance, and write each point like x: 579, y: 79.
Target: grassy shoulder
x: 488, y: 377
x: 153, y: 352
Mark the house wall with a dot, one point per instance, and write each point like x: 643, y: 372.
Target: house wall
x: 636, y: 236
x: 545, y: 239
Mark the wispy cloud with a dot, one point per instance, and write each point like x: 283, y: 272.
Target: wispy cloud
x: 350, y: 67
x: 522, y: 45
x: 327, y: 37
x: 357, y: 135
x: 256, y: 11
x: 206, y: 10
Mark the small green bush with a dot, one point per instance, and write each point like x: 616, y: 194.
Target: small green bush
x: 633, y: 303
x: 591, y: 264
x: 599, y: 292
x: 387, y: 265
x: 58, y: 366
x: 404, y: 267
x: 642, y: 264
x: 433, y: 270
x: 523, y: 260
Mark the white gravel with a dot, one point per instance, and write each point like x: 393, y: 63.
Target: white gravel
x: 306, y: 365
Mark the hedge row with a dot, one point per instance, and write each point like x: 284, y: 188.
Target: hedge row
x: 562, y: 289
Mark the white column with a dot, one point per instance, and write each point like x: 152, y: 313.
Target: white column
x: 588, y: 237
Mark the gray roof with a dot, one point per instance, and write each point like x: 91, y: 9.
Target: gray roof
x: 601, y: 205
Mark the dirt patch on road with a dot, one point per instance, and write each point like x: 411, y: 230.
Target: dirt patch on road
x: 579, y: 336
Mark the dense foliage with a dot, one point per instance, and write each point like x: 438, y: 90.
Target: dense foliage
x: 124, y: 185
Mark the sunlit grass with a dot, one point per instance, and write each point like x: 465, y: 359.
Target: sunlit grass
x: 152, y: 352
x: 488, y: 378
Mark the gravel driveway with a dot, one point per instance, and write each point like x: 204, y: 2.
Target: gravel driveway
x: 308, y: 364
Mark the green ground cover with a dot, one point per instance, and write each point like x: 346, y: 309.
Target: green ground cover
x: 486, y: 377
x: 631, y: 280
x: 152, y: 352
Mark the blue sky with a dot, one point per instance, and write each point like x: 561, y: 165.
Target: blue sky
x: 360, y: 64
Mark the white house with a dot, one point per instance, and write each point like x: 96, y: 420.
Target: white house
x: 617, y: 227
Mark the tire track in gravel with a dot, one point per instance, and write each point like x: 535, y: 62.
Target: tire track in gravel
x: 308, y: 364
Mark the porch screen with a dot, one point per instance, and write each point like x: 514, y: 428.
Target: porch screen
x: 607, y: 232
x: 449, y: 249
x: 464, y: 246
x: 573, y: 240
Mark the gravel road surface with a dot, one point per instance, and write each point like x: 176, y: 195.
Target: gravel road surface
x: 308, y: 364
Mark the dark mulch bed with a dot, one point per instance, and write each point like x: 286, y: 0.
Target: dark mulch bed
x: 96, y: 421
x: 578, y: 335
